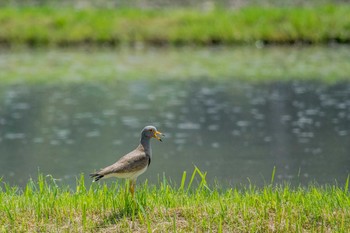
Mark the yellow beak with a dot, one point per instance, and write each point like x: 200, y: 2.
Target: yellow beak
x: 157, y: 134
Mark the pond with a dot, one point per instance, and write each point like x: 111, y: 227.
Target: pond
x: 236, y: 130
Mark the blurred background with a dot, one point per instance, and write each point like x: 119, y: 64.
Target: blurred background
x: 167, y: 3
x: 238, y: 88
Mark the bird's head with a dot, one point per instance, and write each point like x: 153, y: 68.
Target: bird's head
x: 151, y: 132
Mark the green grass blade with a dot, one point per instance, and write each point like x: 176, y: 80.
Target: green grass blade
x: 273, y: 175
x: 183, y: 180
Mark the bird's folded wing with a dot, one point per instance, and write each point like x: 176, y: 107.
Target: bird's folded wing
x: 134, y: 161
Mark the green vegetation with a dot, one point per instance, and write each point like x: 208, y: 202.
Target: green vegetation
x: 67, y: 26
x: 164, y: 4
x: 44, y: 207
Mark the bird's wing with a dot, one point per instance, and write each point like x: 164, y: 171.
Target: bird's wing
x: 131, y: 162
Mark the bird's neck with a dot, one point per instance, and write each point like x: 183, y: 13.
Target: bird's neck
x: 146, y: 143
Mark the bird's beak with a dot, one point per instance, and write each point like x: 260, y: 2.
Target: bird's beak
x: 157, y: 134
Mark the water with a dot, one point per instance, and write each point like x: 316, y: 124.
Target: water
x: 232, y: 130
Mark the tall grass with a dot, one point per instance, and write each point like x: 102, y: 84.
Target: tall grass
x: 43, y: 206
x: 50, y: 26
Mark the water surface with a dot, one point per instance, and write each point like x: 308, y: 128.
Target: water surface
x: 235, y: 112
x: 235, y: 131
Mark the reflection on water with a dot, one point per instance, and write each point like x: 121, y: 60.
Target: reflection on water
x: 232, y: 130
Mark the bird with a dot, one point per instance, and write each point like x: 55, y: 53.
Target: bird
x: 133, y: 164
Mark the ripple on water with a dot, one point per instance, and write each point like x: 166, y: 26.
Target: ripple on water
x: 189, y: 126
x: 213, y: 127
x: 83, y: 115
x: 21, y: 106
x: 242, y: 123
x: 62, y: 133
x: 93, y: 134
x: 15, y: 136
x: 131, y: 121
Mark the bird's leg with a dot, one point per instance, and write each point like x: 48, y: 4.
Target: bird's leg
x: 132, y: 187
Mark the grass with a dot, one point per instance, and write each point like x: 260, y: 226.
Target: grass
x: 43, y: 206
x: 60, y: 27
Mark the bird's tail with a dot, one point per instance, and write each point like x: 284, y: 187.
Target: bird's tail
x: 96, y: 176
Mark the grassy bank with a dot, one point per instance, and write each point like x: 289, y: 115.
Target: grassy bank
x: 44, y: 207
x: 49, y: 26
